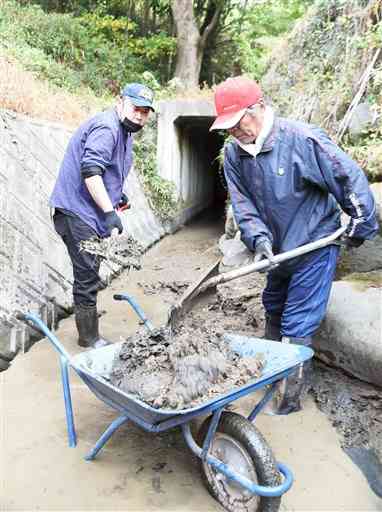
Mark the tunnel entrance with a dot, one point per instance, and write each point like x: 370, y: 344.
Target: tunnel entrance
x: 200, y: 152
x: 188, y: 155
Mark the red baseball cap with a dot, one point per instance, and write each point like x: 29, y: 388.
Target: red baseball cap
x: 232, y: 98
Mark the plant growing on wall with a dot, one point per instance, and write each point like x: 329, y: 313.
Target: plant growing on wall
x: 160, y: 192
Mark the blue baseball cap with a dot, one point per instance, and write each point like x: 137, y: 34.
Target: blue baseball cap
x: 139, y: 94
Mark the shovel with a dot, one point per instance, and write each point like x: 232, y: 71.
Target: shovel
x: 206, y: 282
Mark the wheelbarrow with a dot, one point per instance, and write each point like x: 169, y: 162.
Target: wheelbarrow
x: 238, y: 465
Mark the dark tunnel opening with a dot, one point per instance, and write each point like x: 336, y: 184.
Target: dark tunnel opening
x: 198, y: 144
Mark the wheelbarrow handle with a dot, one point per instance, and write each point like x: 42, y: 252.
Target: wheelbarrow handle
x: 64, y: 364
x: 279, y: 258
x: 137, y: 308
x: 38, y: 324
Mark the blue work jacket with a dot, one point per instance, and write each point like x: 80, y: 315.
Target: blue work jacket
x: 102, y: 141
x: 290, y: 192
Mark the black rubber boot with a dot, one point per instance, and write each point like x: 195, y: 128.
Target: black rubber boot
x: 294, y: 388
x: 87, y: 326
x: 272, y: 327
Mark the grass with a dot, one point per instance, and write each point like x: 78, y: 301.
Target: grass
x: 33, y: 83
x: 26, y: 93
x: 22, y: 92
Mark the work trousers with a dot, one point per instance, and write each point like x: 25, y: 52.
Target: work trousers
x: 87, y: 281
x: 298, y: 293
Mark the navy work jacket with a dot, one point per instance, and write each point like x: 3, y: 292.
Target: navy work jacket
x: 290, y: 192
x: 102, y: 141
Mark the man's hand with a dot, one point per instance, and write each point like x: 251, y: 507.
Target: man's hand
x: 351, y: 242
x: 263, y: 250
x: 124, y: 203
x: 113, y: 222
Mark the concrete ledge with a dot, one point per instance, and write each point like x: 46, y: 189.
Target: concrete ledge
x: 351, y: 334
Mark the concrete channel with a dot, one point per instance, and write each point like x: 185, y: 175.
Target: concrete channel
x: 135, y: 471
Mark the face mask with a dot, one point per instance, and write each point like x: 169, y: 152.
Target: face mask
x: 130, y: 126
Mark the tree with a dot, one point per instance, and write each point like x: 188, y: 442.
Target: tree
x: 192, y: 40
x: 215, y: 38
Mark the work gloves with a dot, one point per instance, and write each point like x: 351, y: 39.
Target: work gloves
x: 113, y: 221
x: 123, y: 203
x: 351, y: 242
x: 263, y: 249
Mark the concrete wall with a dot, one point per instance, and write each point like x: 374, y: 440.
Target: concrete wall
x: 183, y: 155
x: 35, y: 272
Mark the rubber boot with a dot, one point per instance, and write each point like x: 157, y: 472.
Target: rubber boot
x: 87, y: 326
x: 272, y: 327
x: 272, y: 332
x: 294, y: 388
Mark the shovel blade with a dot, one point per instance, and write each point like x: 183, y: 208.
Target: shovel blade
x: 191, y: 296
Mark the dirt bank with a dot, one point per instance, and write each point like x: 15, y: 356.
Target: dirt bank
x: 354, y: 407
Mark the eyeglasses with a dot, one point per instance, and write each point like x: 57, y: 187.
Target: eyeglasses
x: 253, y: 110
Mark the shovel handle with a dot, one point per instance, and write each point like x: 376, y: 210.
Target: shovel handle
x: 279, y: 258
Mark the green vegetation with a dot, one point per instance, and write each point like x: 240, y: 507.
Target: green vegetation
x: 161, y: 192
x: 101, y: 45
x: 92, y: 49
x: 316, y: 73
x: 261, y: 29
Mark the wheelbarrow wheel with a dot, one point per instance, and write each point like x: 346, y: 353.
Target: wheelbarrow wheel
x: 239, y: 444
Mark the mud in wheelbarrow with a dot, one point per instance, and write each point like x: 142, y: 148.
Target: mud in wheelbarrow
x: 237, y: 464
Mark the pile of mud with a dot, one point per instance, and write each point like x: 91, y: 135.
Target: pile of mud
x: 354, y: 407
x: 183, y: 369
x: 176, y: 287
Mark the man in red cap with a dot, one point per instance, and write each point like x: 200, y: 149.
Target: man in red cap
x: 286, y: 180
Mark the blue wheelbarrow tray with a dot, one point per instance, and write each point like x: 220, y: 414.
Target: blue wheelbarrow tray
x: 94, y: 368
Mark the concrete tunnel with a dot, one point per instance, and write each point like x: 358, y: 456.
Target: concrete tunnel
x: 187, y: 155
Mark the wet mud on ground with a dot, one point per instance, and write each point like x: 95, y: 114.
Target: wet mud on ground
x: 355, y: 409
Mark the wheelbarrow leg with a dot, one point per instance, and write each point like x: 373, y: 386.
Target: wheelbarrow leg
x: 105, y: 437
x: 263, y: 402
x: 68, y: 402
x: 211, y: 432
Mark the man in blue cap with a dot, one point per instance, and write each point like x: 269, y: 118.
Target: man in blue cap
x: 89, y: 191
